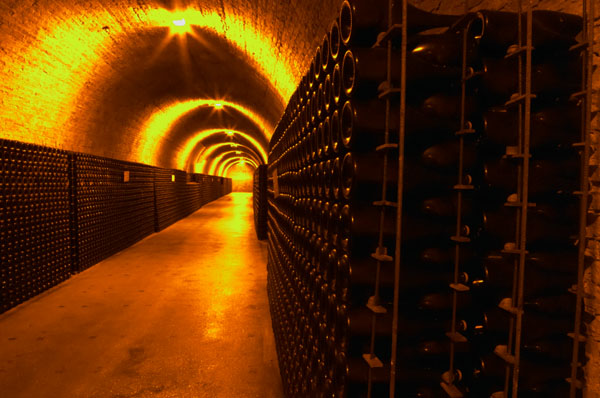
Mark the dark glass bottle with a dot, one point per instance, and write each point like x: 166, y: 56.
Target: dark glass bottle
x: 361, y: 177
x: 364, y: 69
x: 538, y: 282
x: 550, y: 30
x: 548, y: 80
x: 552, y: 127
x: 546, y: 177
x: 431, y: 120
x: 361, y: 21
x: 548, y: 224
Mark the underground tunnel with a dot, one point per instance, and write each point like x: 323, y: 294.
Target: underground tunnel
x: 325, y: 198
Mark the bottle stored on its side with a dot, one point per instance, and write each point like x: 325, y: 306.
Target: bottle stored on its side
x: 431, y: 120
x: 546, y: 177
x: 361, y: 178
x: 498, y: 30
x: 364, y: 69
x: 548, y: 224
x: 548, y: 80
x: 538, y: 282
x: 360, y: 229
x: 360, y: 21
x: 551, y: 127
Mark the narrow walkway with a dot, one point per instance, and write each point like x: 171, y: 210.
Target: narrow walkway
x: 181, y: 314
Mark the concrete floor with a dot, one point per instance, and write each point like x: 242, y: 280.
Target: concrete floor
x: 183, y: 313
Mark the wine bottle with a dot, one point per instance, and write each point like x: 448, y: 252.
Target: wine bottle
x: 431, y: 300
x: 498, y: 30
x: 535, y: 325
x: 360, y: 21
x: 446, y: 48
x: 537, y: 282
x: 431, y: 120
x: 551, y: 127
x: 361, y: 176
x: 360, y: 229
x: 535, y: 379
x: 446, y: 155
x: 547, y: 224
x: 551, y: 80
x: 364, y: 69
x: 545, y: 176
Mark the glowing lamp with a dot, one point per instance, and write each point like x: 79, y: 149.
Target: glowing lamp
x: 179, y: 22
x: 230, y: 133
x: 218, y: 105
x: 242, y: 162
x: 238, y: 152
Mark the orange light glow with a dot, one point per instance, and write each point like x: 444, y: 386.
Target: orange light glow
x: 230, y: 133
x: 66, y: 54
x: 243, y: 33
x: 47, y: 75
x: 180, y: 27
x: 242, y: 176
x: 157, y: 127
x: 225, y: 164
x: 208, y: 151
x: 186, y: 151
x: 231, y: 161
x: 217, y: 161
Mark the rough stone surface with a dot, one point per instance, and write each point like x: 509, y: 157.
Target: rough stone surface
x: 87, y: 75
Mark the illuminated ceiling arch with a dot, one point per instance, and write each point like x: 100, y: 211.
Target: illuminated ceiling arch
x: 158, y: 125
x: 190, y: 144
x: 230, y: 165
x: 231, y: 161
x: 217, y: 161
x: 207, y: 152
x: 98, y: 74
x: 243, y: 34
x: 219, y: 158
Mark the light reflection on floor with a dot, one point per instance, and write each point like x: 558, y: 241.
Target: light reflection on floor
x: 183, y: 313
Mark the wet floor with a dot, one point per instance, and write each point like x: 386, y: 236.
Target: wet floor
x: 183, y: 313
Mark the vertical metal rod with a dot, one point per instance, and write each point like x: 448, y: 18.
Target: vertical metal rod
x: 398, y: 250
x: 382, y: 209
x: 588, y: 26
x: 459, y: 196
x: 524, y: 201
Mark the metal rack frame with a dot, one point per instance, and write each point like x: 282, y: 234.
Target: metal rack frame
x: 511, y: 353
x: 587, y: 48
x: 449, y: 377
x: 381, y: 254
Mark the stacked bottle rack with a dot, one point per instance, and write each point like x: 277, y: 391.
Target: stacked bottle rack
x: 114, y: 206
x: 62, y: 212
x: 35, y: 249
x: 392, y: 178
x: 259, y: 200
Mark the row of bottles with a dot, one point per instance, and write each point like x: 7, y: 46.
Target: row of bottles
x: 111, y: 213
x: 175, y: 197
x: 548, y: 267
x: 35, y: 250
x: 63, y: 212
x: 259, y: 201
x: 325, y: 224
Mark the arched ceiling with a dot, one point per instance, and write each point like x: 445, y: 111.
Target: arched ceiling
x: 119, y: 78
